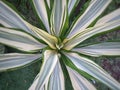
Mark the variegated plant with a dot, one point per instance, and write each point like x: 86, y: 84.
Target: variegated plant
x: 59, y: 43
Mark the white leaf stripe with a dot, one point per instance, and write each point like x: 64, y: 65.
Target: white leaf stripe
x: 48, y: 2
x: 107, y: 48
x: 6, y: 22
x: 113, y: 16
x: 49, y: 39
x: 42, y: 12
x: 71, y: 4
x: 87, y: 33
x: 93, y: 69
x: 33, y: 86
x: 58, y: 16
x: 19, y: 40
x: 95, y: 8
x: 78, y: 81
x: 49, y: 63
x: 56, y: 81
x: 46, y: 85
x: 10, y: 18
x: 14, y: 60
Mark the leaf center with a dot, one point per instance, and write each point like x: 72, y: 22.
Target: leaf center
x: 59, y: 45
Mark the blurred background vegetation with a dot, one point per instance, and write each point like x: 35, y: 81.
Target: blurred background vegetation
x: 22, y: 78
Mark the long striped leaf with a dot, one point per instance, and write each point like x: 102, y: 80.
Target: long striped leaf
x: 58, y: 16
x: 9, y: 18
x: 33, y: 86
x: 19, y: 40
x: 96, y: 50
x: 56, y: 81
x: 71, y: 5
x: 95, y: 8
x: 78, y: 81
x: 42, y: 12
x: 113, y: 16
x: 87, y: 33
x: 14, y: 60
x: 49, y: 63
x: 6, y: 23
x: 93, y: 69
x: 35, y: 82
x: 49, y: 39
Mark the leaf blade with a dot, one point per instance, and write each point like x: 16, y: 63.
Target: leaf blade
x: 47, y: 38
x: 113, y: 16
x: 14, y: 60
x: 58, y: 16
x: 71, y: 5
x: 42, y: 12
x: 95, y: 8
x: 50, y: 61
x: 56, y: 81
x: 93, y: 69
x: 12, y: 20
x: 96, y: 50
x: 89, y: 32
x: 78, y: 81
x: 48, y: 3
x: 19, y: 40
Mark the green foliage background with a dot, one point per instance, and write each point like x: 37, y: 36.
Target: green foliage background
x: 22, y: 78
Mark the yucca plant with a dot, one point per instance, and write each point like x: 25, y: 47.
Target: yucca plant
x: 59, y: 43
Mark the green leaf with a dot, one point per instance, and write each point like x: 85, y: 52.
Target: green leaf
x: 48, y: 3
x: 78, y: 81
x: 93, y: 69
x: 9, y: 18
x: 95, y: 8
x: 58, y: 16
x: 19, y: 40
x: 42, y: 12
x: 49, y: 63
x: 14, y: 60
x: 2, y: 49
x: 87, y: 33
x: 96, y: 50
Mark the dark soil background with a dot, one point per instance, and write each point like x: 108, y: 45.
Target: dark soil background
x: 22, y: 78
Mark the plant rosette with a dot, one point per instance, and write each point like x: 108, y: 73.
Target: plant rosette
x: 59, y: 42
